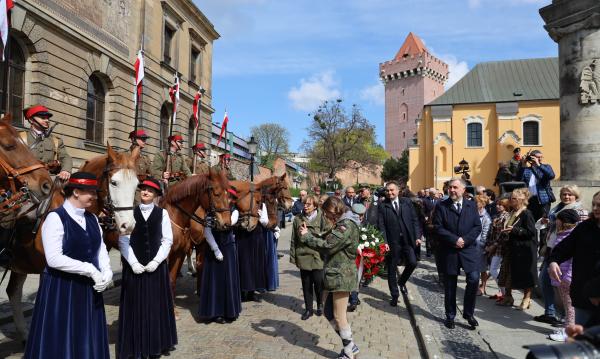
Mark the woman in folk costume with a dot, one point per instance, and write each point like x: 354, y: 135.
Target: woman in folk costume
x: 220, y: 300
x: 146, y: 317
x: 68, y: 319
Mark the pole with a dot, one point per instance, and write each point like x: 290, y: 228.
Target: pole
x: 251, y: 168
x: 6, y: 67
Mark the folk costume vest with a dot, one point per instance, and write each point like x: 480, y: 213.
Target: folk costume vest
x: 146, y: 236
x: 78, y: 243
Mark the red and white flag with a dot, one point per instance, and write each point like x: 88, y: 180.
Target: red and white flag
x: 196, y: 108
x: 174, y: 93
x: 223, y: 127
x: 138, y: 66
x: 5, y: 7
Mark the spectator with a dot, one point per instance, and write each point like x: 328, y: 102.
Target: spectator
x: 322, y: 199
x: 503, y: 174
x: 537, y: 176
x: 349, y: 197
x: 514, y: 163
x: 337, y: 194
x: 370, y: 216
x: 495, y: 246
x: 491, y: 206
x: 358, y: 211
x: 299, y: 204
x: 583, y: 247
x: 316, y: 190
x: 480, y: 190
x: 486, y: 222
x: 429, y: 204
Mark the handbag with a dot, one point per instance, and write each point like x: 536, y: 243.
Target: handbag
x: 551, y: 195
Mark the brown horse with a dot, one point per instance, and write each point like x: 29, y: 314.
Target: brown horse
x: 276, y: 194
x: 188, y: 203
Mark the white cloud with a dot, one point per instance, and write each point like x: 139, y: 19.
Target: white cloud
x: 312, y: 92
x: 457, y: 69
x: 375, y: 94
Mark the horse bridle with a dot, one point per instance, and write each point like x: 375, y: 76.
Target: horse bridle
x: 16, y: 198
x: 251, y: 193
x: 108, y: 220
x: 209, y: 218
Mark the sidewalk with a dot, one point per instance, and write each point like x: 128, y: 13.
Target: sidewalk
x: 502, y: 331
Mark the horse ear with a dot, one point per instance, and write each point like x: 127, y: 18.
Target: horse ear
x: 7, y: 118
x: 283, y: 176
x: 112, y: 155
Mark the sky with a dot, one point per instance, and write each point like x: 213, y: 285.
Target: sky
x: 277, y: 60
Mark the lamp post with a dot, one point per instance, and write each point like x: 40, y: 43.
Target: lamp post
x: 252, y: 151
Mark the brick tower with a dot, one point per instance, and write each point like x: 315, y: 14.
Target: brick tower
x: 412, y: 79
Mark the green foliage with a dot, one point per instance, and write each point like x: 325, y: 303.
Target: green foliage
x: 295, y: 192
x: 396, y: 168
x: 272, y: 140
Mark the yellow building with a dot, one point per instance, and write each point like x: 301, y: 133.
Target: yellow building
x: 496, y: 107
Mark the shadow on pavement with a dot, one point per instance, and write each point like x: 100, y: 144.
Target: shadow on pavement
x: 295, y: 273
x: 284, y: 301
x: 293, y: 334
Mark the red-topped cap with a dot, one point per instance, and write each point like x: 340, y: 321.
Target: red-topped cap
x: 38, y: 110
x: 199, y: 146
x: 138, y: 134
x: 176, y: 138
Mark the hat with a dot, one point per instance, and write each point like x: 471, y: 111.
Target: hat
x: 517, y: 150
x: 83, y: 180
x: 138, y: 134
x: 176, y: 138
x: 359, y: 208
x: 225, y: 156
x: 152, y: 183
x: 199, y: 147
x: 569, y: 216
x: 37, y: 110
x: 232, y: 192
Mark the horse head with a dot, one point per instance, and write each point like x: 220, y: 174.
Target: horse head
x: 248, y: 201
x: 217, y: 201
x: 24, y: 181
x: 284, y: 197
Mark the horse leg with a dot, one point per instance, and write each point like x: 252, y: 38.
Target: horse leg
x: 176, y: 265
x: 200, y: 253
x: 190, y: 264
x: 14, y: 290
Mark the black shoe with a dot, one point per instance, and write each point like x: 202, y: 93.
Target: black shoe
x: 472, y: 322
x: 319, y: 311
x: 358, y: 302
x: 351, y: 308
x: 219, y: 320
x: 545, y: 318
x: 403, y: 289
x: 394, y: 302
x: 449, y: 323
x: 307, y: 314
x: 279, y: 255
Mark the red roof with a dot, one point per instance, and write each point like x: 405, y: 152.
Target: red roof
x: 412, y: 46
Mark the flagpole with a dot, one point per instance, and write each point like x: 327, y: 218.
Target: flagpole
x: 199, y: 117
x: 6, y: 54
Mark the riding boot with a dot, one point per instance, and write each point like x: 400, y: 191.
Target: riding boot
x: 4, y: 251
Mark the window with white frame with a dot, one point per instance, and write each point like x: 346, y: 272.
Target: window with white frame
x: 531, y: 133
x: 474, y: 127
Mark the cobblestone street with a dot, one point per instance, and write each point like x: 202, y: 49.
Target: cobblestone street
x: 272, y: 328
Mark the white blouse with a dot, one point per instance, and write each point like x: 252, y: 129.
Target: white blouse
x: 52, y: 239
x: 165, y: 242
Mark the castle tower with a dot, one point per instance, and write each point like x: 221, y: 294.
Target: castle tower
x: 412, y: 79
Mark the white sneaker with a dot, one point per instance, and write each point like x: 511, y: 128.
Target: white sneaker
x: 558, y: 335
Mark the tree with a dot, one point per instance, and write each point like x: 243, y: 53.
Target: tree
x: 334, y: 138
x: 396, y: 169
x: 272, y: 141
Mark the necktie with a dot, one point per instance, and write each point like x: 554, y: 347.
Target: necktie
x: 458, y: 206
x: 396, y: 207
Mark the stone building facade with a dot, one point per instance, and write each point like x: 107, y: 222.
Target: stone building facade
x: 413, y: 78
x: 76, y: 58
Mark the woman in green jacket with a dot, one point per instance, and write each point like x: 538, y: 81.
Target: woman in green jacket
x: 309, y: 260
x: 339, y: 248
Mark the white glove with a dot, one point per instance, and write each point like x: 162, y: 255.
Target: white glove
x: 276, y: 232
x: 101, y: 287
x: 137, y: 268
x: 96, y: 276
x: 264, y: 217
x: 107, y: 275
x: 218, y: 254
x: 235, y: 215
x: 151, y: 267
x: 210, y: 239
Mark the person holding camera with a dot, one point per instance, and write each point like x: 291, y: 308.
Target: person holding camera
x: 537, y: 176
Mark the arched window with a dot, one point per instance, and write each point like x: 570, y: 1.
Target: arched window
x: 444, y: 158
x: 403, y: 112
x: 531, y: 133
x: 16, y: 81
x: 164, y: 126
x: 191, y: 132
x: 474, y: 134
x: 94, y: 127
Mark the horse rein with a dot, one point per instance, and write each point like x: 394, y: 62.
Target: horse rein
x: 249, y: 212
x: 108, y: 209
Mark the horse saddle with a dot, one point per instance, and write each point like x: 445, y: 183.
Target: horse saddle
x: 53, y: 167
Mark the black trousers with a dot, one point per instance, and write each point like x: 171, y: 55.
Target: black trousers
x: 469, y: 298
x: 393, y: 260
x: 538, y: 210
x: 312, y: 282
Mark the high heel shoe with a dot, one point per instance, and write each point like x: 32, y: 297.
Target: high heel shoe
x: 507, y: 302
x: 525, y: 304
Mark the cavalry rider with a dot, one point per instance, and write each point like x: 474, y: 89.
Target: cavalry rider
x: 202, y: 166
x: 224, y: 165
x: 138, y: 138
x: 175, y: 170
x: 44, y: 145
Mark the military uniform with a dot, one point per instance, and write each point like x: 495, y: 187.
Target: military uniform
x: 48, y: 149
x: 339, y: 248
x: 202, y: 167
x: 143, y: 166
x: 230, y: 176
x: 177, y: 165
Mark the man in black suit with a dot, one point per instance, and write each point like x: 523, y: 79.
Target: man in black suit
x: 457, y: 226
x: 349, y: 197
x: 398, y: 221
x: 429, y: 203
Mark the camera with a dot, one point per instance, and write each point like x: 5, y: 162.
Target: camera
x: 586, y: 345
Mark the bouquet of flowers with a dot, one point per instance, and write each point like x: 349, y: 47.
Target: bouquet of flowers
x: 372, y: 250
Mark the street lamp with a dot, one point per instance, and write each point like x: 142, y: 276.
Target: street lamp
x: 252, y: 151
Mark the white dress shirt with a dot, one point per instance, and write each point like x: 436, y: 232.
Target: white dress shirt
x: 460, y: 201
x: 532, y: 185
x: 165, y: 242
x: 52, y: 239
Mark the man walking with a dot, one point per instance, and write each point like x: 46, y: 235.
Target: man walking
x: 398, y: 222
x: 457, y: 225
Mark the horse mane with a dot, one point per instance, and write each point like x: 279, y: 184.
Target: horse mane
x: 190, y: 187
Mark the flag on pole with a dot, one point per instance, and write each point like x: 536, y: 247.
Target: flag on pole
x: 174, y: 93
x: 5, y: 7
x: 139, y: 76
x: 223, y: 128
x: 196, y: 108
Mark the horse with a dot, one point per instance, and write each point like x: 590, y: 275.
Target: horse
x: 276, y: 194
x: 116, y: 174
x: 183, y: 202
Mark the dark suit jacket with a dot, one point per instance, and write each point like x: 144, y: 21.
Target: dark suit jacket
x: 428, y: 204
x: 347, y: 201
x: 371, y: 215
x: 406, y: 223
x: 449, y: 225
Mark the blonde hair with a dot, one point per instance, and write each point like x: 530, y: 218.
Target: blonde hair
x: 313, y: 197
x: 573, y: 189
x: 482, y: 199
x: 522, y: 193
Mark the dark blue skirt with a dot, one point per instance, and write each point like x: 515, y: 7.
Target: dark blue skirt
x: 220, y: 289
x: 272, y: 265
x: 68, y: 319
x: 252, y: 259
x: 146, y: 318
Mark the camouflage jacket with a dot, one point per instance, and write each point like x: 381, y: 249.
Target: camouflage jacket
x: 339, y: 246
x: 304, y: 257
x: 177, y: 164
x: 49, y: 149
